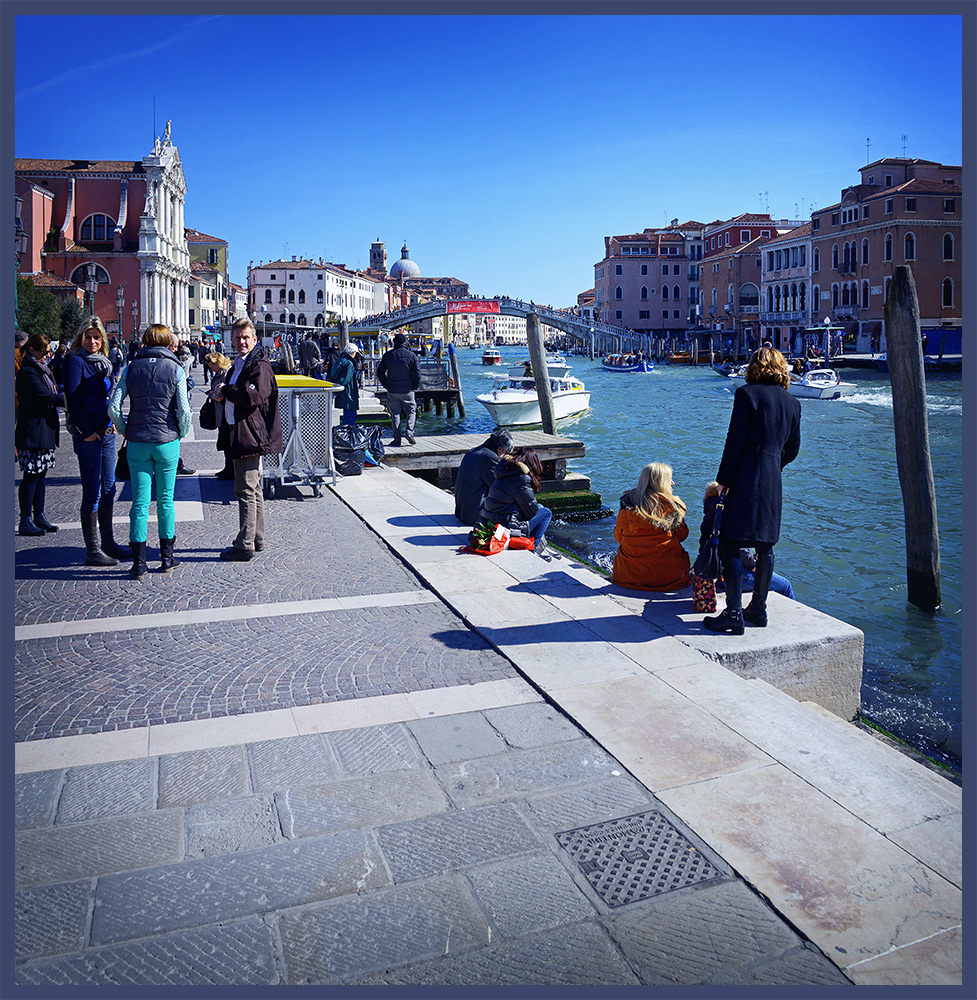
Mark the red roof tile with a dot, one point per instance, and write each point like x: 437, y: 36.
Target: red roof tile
x: 194, y: 237
x: 44, y: 279
x: 78, y: 166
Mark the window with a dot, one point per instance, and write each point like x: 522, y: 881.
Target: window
x: 910, y: 247
x: 888, y: 247
x: 272, y: 278
x: 948, y: 205
x: 871, y: 178
x: 291, y: 295
x: 834, y: 257
x: 281, y: 319
x: 793, y: 256
x: 816, y: 225
x: 79, y: 274
x: 619, y: 292
x: 770, y: 260
x: 910, y: 204
x: 888, y: 180
x: 212, y: 255
x: 865, y: 295
x: 803, y: 256
x: 190, y: 291
x: 803, y: 297
x: 676, y: 293
x: 664, y: 314
x: 864, y: 211
x: 712, y: 245
x: 191, y: 315
x: 281, y: 294
x: 948, y: 247
x: 301, y: 295
x: 675, y: 313
x: 619, y: 314
x: 97, y: 228
x: 744, y: 236
x: 619, y: 269
x: 779, y: 259
x: 727, y: 238
x: 664, y: 269
x: 888, y: 206
x: 834, y: 297
x: 765, y: 232
x: 644, y: 268
x: 834, y: 218
x: 318, y: 277
x: 770, y: 298
x: 644, y: 291
x: 664, y: 291
x: 318, y: 296
x: 291, y: 277
x: 947, y: 293
x: 643, y: 314
x: 816, y: 260
x: 301, y: 319
x: 267, y: 295
x: 715, y: 268
x: 816, y: 298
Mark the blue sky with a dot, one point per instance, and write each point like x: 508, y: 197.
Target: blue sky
x: 503, y: 149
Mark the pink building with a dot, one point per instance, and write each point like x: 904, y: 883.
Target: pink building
x: 123, y: 218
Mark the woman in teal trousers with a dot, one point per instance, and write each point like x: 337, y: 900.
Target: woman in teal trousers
x: 159, y: 416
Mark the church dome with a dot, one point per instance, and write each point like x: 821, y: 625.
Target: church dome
x: 405, y: 267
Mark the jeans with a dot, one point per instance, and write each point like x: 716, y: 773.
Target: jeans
x: 348, y: 419
x: 539, y: 522
x: 251, y: 503
x: 402, y: 403
x: 778, y: 584
x: 149, y: 462
x: 96, y: 462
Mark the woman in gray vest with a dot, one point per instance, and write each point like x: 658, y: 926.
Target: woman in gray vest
x: 159, y: 416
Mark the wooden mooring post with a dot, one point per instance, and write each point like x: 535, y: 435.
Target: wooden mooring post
x: 537, y: 355
x: 905, y: 357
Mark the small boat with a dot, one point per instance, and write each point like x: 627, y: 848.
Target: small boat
x: 556, y: 367
x: 626, y: 363
x: 513, y: 401
x: 490, y: 356
x: 818, y: 383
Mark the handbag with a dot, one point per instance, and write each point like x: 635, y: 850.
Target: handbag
x: 122, y: 463
x: 703, y: 594
x: 208, y: 415
x: 709, y: 562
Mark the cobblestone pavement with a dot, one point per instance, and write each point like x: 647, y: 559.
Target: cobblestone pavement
x: 491, y: 847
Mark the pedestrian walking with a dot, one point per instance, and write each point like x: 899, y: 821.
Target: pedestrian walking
x: 400, y: 375
x: 88, y: 385
x: 343, y: 372
x: 219, y: 366
x: 250, y: 397
x: 185, y: 358
x: 158, y: 417
x: 309, y: 357
x: 37, y: 432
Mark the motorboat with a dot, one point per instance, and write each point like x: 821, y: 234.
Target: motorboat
x: 626, y: 363
x: 818, y: 383
x: 556, y: 367
x: 490, y: 356
x: 513, y: 401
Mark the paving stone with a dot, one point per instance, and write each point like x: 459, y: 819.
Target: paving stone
x: 579, y: 955
x: 801, y: 966
x: 291, y: 763
x: 473, y: 782
x: 99, y: 790
x: 533, y: 725
x: 240, y: 954
x: 202, y: 775
x: 610, y: 798
x: 376, y: 749
x: 690, y: 936
x: 350, y: 938
x: 36, y: 798
x: 192, y: 893
x: 226, y: 827
x: 372, y: 800
x: 456, y: 737
x: 437, y: 844
x: 51, y: 919
x: 528, y: 895
x: 81, y: 850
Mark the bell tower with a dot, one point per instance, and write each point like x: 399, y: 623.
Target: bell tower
x: 378, y: 257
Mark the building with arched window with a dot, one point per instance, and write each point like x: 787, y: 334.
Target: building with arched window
x: 126, y: 218
x: 903, y: 211
x: 785, y: 283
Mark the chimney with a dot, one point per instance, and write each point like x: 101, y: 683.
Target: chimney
x: 294, y: 258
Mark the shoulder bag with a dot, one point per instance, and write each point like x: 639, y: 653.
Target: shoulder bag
x: 122, y: 463
x: 709, y: 561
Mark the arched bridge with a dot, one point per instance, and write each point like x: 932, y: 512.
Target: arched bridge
x: 566, y: 322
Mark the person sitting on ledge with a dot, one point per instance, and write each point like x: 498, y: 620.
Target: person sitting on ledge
x: 477, y: 473
x: 650, y: 530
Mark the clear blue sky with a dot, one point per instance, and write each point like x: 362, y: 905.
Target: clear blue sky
x: 502, y: 148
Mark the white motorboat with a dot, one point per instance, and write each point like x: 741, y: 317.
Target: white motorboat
x: 513, y: 401
x: 490, y: 356
x: 556, y: 367
x: 818, y: 383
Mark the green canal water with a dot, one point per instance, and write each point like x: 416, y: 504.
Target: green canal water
x: 843, y: 535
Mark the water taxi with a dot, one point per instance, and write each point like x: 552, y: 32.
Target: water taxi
x: 490, y: 356
x: 626, y: 363
x: 514, y: 401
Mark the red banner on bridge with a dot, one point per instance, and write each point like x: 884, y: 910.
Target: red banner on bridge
x: 472, y: 306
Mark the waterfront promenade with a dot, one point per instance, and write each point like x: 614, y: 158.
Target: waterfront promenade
x: 364, y: 758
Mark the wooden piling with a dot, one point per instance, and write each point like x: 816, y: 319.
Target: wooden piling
x: 909, y: 417
x: 456, y: 375
x: 537, y: 355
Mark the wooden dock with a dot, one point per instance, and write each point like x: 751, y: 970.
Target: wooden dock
x: 436, y: 457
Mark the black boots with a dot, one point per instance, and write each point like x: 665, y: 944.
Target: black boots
x: 28, y: 527
x: 94, y: 556
x: 109, y: 545
x: 756, y: 611
x: 41, y: 521
x: 139, y: 567
x: 167, y: 561
x: 730, y: 620
x: 726, y: 621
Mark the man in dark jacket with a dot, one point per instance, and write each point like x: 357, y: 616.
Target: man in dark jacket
x: 250, y: 397
x: 399, y: 375
x: 477, y: 473
x: 309, y: 357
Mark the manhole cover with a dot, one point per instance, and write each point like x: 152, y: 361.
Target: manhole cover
x: 635, y: 857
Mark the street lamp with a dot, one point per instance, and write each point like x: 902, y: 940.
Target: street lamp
x: 91, y: 285
x: 264, y: 320
x: 120, y: 301
x: 20, y: 244
x: 135, y: 312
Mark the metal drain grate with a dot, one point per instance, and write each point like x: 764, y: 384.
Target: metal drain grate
x: 635, y: 857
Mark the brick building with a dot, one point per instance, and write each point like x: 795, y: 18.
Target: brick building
x: 786, y: 292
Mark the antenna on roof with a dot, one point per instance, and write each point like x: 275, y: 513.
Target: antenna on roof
x: 868, y: 146
x: 904, y: 138
x: 766, y: 195
x: 154, y: 118
x: 760, y: 196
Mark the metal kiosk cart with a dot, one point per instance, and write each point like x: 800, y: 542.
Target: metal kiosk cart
x: 305, y: 407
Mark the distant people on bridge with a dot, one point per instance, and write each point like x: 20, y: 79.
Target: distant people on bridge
x: 649, y: 531
x: 477, y: 473
x: 343, y: 372
x: 511, y: 499
x: 764, y: 435
x: 399, y: 374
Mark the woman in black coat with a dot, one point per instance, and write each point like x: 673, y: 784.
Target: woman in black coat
x: 764, y: 435
x: 37, y: 432
x: 511, y: 499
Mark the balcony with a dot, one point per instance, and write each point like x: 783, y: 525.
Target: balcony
x: 845, y: 312
x: 746, y: 310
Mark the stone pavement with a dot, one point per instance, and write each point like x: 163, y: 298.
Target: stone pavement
x: 312, y: 769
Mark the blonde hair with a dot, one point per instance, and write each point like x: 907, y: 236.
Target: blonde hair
x: 220, y: 361
x: 653, y: 494
x: 768, y: 367
x: 91, y: 323
x: 157, y: 335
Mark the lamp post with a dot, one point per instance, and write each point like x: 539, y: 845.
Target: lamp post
x: 120, y: 301
x: 91, y: 285
x: 20, y: 244
x: 264, y: 320
x: 135, y: 312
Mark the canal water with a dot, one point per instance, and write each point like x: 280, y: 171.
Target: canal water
x: 843, y: 535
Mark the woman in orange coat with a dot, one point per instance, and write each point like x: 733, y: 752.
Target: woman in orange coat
x: 650, y: 530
